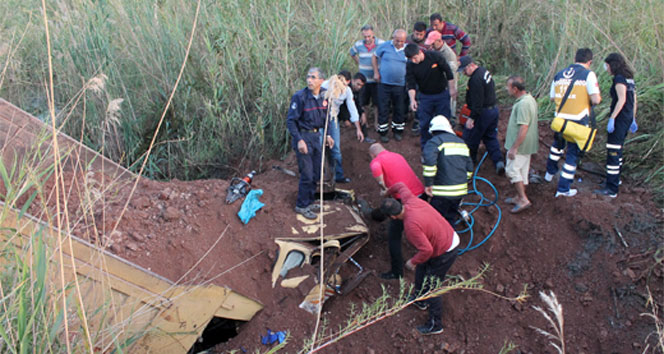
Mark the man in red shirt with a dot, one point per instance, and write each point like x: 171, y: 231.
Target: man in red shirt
x: 389, y: 168
x: 436, y: 244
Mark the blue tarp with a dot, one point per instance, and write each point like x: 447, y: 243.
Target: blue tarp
x: 250, y: 205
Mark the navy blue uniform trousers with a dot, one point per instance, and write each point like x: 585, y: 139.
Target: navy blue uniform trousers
x: 309, y: 165
x: 485, y: 130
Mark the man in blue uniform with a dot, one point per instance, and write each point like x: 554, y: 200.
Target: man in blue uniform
x: 305, y: 122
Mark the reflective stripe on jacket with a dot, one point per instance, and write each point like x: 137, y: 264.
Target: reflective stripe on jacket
x: 447, y: 165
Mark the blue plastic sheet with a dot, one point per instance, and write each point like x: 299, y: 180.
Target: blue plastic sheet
x: 250, y: 205
x: 272, y: 337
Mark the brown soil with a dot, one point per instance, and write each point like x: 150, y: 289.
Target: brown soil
x: 568, y: 246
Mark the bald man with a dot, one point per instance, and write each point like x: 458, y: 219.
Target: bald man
x: 389, y: 64
x: 389, y: 168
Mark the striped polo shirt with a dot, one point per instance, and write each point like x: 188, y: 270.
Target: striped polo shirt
x: 359, y: 48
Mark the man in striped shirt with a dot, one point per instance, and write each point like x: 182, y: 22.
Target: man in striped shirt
x: 361, y: 52
x: 451, y: 33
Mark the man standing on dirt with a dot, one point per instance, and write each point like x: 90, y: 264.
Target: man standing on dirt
x: 429, y: 73
x: 521, y: 141
x: 345, y: 97
x: 362, y: 52
x: 356, y: 85
x: 389, y: 168
x: 447, y: 169
x: 483, y: 122
x: 576, y: 108
x: 436, y: 243
x: 451, y: 33
x: 306, y: 116
x: 435, y: 40
x: 391, y: 78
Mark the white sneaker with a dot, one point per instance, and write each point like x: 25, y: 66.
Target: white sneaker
x: 548, y: 177
x: 570, y: 193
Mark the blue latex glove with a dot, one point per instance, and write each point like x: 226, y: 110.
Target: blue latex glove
x: 634, y: 127
x: 250, y: 205
x: 611, y: 126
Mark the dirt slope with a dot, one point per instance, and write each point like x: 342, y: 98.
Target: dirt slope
x: 184, y: 231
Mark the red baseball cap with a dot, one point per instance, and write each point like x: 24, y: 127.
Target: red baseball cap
x: 432, y: 37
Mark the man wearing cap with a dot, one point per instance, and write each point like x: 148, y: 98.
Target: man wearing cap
x: 306, y: 117
x: 483, y: 122
x: 391, y: 78
x: 451, y: 33
x: 436, y: 244
x: 447, y: 169
x: 429, y: 73
x: 361, y: 52
x: 435, y: 40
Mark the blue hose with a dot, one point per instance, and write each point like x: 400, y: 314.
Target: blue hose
x: 484, y: 202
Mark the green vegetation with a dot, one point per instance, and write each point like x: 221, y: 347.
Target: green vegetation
x: 248, y: 57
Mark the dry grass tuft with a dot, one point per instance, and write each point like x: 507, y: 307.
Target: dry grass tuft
x: 558, y: 325
x: 97, y: 84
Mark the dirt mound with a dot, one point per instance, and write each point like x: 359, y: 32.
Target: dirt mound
x: 185, y: 232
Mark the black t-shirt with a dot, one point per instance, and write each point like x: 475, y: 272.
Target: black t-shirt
x: 481, y: 92
x: 430, y: 75
x: 627, y: 112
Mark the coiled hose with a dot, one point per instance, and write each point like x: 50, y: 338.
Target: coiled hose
x: 484, y: 202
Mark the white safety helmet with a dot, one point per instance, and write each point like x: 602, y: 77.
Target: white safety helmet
x: 440, y: 123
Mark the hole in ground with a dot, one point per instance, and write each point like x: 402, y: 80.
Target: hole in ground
x: 218, y: 330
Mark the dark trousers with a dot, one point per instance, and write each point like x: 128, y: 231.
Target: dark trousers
x: 394, y: 234
x: 395, y: 96
x: 448, y: 207
x: 430, y: 106
x: 571, y: 160
x: 485, y: 130
x: 614, y: 153
x: 309, y: 166
x: 435, y: 267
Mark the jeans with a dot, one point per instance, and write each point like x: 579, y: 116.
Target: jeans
x: 335, y: 152
x: 571, y: 160
x: 486, y: 130
x: 396, y: 96
x: 447, y: 207
x: 430, y: 106
x: 309, y: 166
x: 436, y: 268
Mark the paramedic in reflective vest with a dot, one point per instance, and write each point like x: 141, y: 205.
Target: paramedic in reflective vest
x: 483, y: 122
x: 622, y: 118
x: 305, y: 121
x: 447, y: 169
x: 577, y: 108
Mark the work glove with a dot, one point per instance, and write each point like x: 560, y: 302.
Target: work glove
x: 633, y: 127
x: 611, y: 126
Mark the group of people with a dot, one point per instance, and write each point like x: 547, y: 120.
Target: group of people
x: 421, y: 68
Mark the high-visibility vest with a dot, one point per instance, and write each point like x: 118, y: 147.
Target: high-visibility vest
x: 577, y: 106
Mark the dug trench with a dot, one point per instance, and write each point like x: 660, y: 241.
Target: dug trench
x: 599, y: 256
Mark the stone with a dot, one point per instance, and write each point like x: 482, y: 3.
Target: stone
x: 500, y: 288
x: 171, y: 214
x: 548, y: 284
x: 132, y: 246
x: 165, y: 194
x: 116, y: 235
x: 580, y: 287
x: 136, y: 237
x: 141, y: 202
x: 115, y: 248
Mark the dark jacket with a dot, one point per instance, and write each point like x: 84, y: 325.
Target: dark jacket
x: 306, y: 113
x: 430, y: 76
x: 447, y: 165
x: 481, y: 92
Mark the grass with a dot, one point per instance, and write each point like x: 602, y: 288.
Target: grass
x: 229, y: 111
